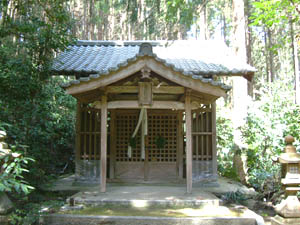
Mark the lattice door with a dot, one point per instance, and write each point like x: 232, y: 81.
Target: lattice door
x: 160, y: 162
x: 126, y: 121
x: 162, y: 125
x: 203, y: 134
x: 89, y: 131
x: 88, y: 146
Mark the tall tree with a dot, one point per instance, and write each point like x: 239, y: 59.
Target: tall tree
x: 270, y: 13
x: 296, y: 63
x: 239, y: 89
x: 31, y: 32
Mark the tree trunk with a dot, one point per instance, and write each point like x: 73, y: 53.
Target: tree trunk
x: 203, y: 23
x: 296, y: 64
x: 86, y: 19
x: 266, y: 55
x: 224, y: 28
x: 271, y: 56
x: 91, y: 20
x: 239, y: 90
x: 248, y: 44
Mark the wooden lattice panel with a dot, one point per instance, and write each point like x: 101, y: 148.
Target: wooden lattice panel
x: 89, y: 131
x: 126, y: 121
x: 164, y: 124
x: 202, y: 133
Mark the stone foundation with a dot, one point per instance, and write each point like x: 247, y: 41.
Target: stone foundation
x: 278, y: 220
x: 203, y: 172
x: 87, y: 171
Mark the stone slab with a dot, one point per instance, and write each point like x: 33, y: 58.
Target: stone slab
x: 67, y: 219
x: 278, y: 220
x: 221, y: 186
x: 147, y: 195
x: 4, y: 220
x: 5, y: 204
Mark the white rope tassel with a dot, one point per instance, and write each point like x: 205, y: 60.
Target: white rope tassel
x: 129, y: 151
x: 135, y: 131
x: 144, y: 132
x: 146, y: 122
x: 143, y: 119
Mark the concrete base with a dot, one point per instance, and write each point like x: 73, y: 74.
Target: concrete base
x: 140, y: 220
x: 5, y: 204
x: 222, y: 186
x: 4, y: 220
x: 147, y: 196
x: 289, y: 208
x: 278, y: 220
x: 144, y: 196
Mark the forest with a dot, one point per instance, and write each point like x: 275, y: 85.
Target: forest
x: 39, y: 118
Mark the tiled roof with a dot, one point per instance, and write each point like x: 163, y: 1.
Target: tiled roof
x: 198, y: 59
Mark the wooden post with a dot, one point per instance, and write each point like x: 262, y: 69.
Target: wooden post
x: 103, y: 141
x: 180, y: 146
x: 78, y: 131
x: 188, y: 124
x: 112, y: 157
x: 78, y: 139
x: 214, y: 139
x: 146, y: 163
x: 146, y: 160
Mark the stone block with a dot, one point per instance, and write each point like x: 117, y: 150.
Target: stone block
x: 3, y: 145
x: 289, y: 208
x: 5, y: 204
x: 2, y: 135
x: 278, y: 220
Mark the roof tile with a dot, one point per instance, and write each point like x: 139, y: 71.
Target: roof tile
x: 198, y: 58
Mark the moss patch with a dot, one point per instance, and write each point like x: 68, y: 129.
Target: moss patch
x: 159, y: 211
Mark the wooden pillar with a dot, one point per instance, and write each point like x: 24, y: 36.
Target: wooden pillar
x: 78, y: 130
x: 180, y: 145
x: 103, y: 141
x: 189, y: 153
x: 146, y: 160
x: 214, y: 139
x: 112, y: 157
x: 146, y: 163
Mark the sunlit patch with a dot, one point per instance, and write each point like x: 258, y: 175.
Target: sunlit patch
x: 44, y: 209
x: 207, y: 211
x: 170, y: 198
x: 139, y: 203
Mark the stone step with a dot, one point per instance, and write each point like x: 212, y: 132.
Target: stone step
x: 144, y: 196
x: 69, y: 219
x: 148, y: 203
x: 3, y: 145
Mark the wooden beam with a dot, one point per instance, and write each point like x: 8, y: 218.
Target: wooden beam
x: 103, y: 142
x: 189, y: 153
x: 155, y: 66
x: 214, y: 139
x: 155, y: 89
x: 122, y: 89
x: 106, y: 80
x: 112, y: 156
x: 89, y: 96
x: 183, y: 80
x: 168, y: 90
x: 135, y: 105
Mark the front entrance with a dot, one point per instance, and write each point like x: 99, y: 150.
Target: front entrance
x: 164, y: 145
x: 162, y: 148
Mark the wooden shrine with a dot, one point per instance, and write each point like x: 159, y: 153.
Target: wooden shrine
x: 144, y: 118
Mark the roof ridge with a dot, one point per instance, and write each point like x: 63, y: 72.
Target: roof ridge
x: 119, y: 43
